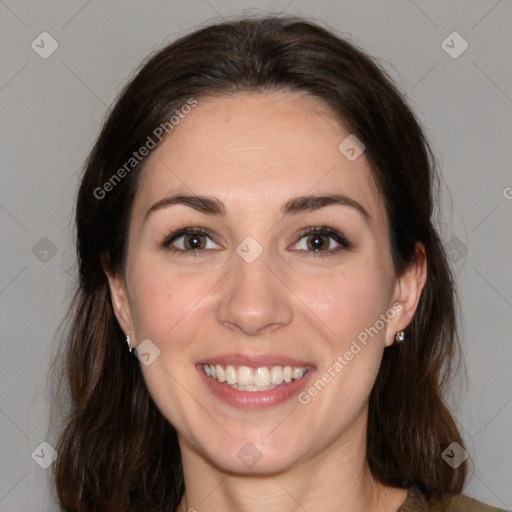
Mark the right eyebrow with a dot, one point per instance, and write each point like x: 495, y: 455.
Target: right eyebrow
x: 203, y: 204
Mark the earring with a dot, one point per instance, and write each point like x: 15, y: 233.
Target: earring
x: 129, y: 342
x: 399, y: 336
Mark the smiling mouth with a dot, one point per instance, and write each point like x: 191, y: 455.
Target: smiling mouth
x: 245, y: 378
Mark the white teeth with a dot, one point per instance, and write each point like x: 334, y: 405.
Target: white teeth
x: 254, y: 379
x: 220, y: 373
x: 262, y: 377
x: 297, y: 373
x: 251, y: 388
x: 276, y: 375
x: 245, y: 376
x: 230, y: 374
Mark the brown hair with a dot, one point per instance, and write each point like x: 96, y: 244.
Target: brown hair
x: 116, y: 450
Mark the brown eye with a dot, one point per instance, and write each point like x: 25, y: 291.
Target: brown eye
x: 194, y: 241
x: 190, y: 240
x: 317, y: 242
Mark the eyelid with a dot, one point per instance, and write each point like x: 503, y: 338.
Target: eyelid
x: 176, y: 235
x: 343, y: 242
x: 185, y: 231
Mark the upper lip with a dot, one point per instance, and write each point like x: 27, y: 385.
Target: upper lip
x: 255, y: 361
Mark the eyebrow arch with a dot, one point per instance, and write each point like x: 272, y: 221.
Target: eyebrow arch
x: 311, y: 203
x: 203, y: 204
x: 213, y: 206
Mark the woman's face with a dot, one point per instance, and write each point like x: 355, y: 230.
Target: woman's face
x: 250, y: 292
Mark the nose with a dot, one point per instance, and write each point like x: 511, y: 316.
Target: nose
x: 253, y: 299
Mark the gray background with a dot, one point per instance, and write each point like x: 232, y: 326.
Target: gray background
x: 51, y: 112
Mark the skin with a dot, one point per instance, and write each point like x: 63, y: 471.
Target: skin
x: 254, y: 152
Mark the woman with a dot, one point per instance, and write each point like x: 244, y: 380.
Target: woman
x: 265, y: 318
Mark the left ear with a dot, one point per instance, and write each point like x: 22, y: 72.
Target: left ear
x: 407, y: 294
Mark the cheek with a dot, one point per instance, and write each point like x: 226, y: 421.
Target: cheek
x: 163, y: 303
x: 168, y: 309
x: 349, y: 307
x: 346, y: 302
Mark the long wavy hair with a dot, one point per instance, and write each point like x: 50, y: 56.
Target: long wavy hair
x: 116, y: 451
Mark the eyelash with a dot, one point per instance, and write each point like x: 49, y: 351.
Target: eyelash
x: 339, y: 238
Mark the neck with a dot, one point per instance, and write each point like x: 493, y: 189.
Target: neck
x: 337, y: 478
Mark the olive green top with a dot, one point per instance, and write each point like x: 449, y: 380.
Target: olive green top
x: 417, y: 502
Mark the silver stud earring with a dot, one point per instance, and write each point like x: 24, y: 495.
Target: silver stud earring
x: 129, y: 342
x: 399, y: 336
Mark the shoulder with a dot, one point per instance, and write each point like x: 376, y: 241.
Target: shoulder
x: 456, y: 502
x: 417, y: 502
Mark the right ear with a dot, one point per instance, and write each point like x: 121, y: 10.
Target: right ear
x: 118, y: 295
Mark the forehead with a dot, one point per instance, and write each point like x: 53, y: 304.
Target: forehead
x: 257, y: 149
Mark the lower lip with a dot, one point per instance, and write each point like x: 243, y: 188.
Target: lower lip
x: 254, y: 399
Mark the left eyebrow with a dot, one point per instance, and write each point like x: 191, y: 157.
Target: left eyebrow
x: 311, y: 203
